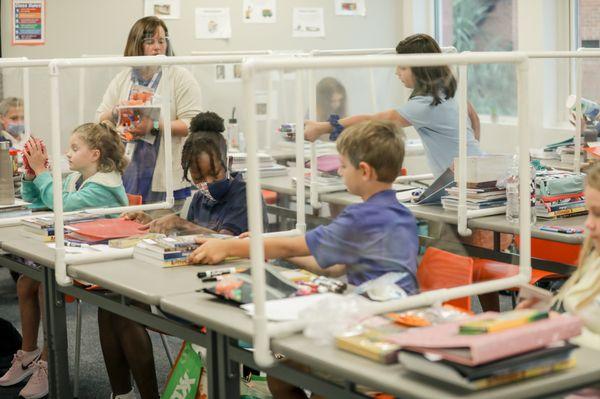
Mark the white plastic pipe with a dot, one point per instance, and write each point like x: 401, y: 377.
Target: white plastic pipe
x: 578, y: 117
x: 26, y: 102
x: 82, y: 78
x: 300, y: 188
x: 254, y: 201
x: 60, y: 268
x: 463, y: 230
x: 263, y: 329
x: 312, y: 115
x: 233, y: 53
x: 167, y: 137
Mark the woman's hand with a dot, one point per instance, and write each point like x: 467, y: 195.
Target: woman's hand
x: 138, y: 216
x: 211, y: 252
x: 165, y: 224
x: 313, y: 130
x: 36, y: 155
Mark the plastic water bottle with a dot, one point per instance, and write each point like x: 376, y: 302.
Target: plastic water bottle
x: 512, y: 193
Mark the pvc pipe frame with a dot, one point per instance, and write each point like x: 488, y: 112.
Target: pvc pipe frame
x: 263, y: 330
x: 54, y: 67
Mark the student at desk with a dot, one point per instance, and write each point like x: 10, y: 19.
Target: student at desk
x: 365, y: 241
x: 431, y: 108
x: 219, y: 206
x: 12, y: 125
x: 580, y: 295
x: 97, y: 157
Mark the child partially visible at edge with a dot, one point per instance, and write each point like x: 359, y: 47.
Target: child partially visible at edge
x: 97, y: 157
x: 366, y: 240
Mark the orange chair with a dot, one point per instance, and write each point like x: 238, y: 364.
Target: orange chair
x: 270, y: 197
x: 441, y: 269
x: 134, y: 199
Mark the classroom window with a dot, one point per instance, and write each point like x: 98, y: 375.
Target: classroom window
x: 483, y: 25
x: 586, y: 32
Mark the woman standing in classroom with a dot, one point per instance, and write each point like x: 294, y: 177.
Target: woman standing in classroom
x: 145, y: 175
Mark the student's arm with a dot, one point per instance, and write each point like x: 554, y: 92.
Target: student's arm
x: 475, y: 124
x: 310, y: 263
x: 213, y: 251
x: 313, y: 130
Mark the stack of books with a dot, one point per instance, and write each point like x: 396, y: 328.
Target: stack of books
x: 17, y: 209
x: 567, y: 154
x: 478, y: 197
x: 325, y: 182
x: 490, y: 349
x: 165, y: 251
x: 560, y: 194
x: 169, y: 251
x: 42, y: 227
x: 267, y: 165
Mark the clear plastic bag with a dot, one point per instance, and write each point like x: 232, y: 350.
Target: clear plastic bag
x: 383, y: 288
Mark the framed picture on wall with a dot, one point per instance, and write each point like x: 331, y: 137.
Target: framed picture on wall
x: 164, y: 9
x: 28, y: 19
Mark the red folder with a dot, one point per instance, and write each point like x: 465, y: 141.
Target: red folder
x: 103, y: 229
x: 472, y: 350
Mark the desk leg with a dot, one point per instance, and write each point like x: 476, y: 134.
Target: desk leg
x: 56, y: 338
x: 223, y: 373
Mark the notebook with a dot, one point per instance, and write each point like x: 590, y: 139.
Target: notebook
x: 433, y: 194
x: 102, y: 230
x: 472, y: 350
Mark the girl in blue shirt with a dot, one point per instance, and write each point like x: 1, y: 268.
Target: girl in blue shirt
x: 431, y: 109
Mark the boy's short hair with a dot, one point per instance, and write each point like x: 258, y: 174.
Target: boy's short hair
x: 379, y: 144
x: 8, y: 103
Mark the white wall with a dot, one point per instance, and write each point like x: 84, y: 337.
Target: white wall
x: 90, y: 27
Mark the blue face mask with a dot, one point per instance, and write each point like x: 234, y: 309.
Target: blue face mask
x: 216, y: 190
x: 16, y: 129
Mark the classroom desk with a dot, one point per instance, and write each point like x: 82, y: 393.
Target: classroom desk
x: 394, y: 379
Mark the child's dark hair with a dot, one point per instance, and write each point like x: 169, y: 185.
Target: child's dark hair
x: 104, y: 137
x: 205, y: 137
x: 429, y: 81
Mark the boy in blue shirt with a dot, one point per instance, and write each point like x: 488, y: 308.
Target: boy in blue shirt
x: 366, y: 240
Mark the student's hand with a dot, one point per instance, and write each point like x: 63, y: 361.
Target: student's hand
x: 527, y: 303
x: 313, y: 130
x: 245, y: 234
x: 164, y: 225
x: 211, y: 252
x: 138, y: 216
x: 36, y: 156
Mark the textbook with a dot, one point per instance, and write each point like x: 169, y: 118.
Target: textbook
x: 43, y: 226
x: 515, y: 368
x: 168, y: 251
x: 504, y: 321
x: 445, y: 341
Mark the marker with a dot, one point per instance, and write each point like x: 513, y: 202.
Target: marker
x: 79, y: 245
x: 564, y: 230
x: 217, y: 272
x: 209, y: 279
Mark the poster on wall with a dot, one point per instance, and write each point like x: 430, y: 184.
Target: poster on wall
x: 228, y: 73
x: 213, y: 23
x: 308, y: 22
x: 259, y: 11
x: 164, y: 9
x: 350, y: 7
x: 28, y: 22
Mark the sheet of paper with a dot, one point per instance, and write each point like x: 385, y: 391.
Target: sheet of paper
x: 28, y: 22
x: 350, y: 7
x: 288, y: 308
x: 259, y: 11
x: 308, y: 22
x: 164, y: 9
x: 213, y: 23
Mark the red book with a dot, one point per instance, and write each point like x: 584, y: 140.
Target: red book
x: 103, y: 230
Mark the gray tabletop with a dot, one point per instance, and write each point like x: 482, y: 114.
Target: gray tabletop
x: 144, y: 282
x: 202, y: 309
x: 495, y: 223
x: 9, y: 232
x: 29, y: 248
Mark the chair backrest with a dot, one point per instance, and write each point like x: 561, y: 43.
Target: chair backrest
x: 134, y: 199
x: 555, y: 251
x: 441, y: 269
